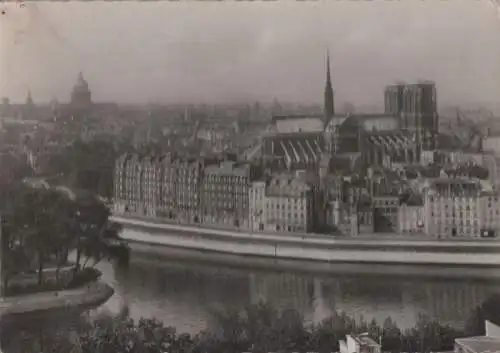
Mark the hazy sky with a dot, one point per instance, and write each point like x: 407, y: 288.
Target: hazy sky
x: 241, y: 51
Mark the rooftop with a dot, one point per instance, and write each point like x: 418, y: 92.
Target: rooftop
x: 481, y: 344
x: 456, y: 187
x: 228, y: 168
x: 299, y: 124
x: 287, y: 185
x: 365, y: 340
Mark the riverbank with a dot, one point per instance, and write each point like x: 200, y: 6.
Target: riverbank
x: 163, y: 257
x: 388, y: 251
x: 78, y: 299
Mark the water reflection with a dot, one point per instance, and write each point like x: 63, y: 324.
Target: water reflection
x: 184, y: 293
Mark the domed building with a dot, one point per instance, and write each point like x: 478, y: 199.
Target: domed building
x: 81, y: 96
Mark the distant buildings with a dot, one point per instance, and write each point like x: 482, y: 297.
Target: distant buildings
x: 357, y: 174
x: 214, y: 192
x: 186, y: 190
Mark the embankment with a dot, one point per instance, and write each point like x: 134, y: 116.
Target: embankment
x: 52, y: 303
x: 367, y: 250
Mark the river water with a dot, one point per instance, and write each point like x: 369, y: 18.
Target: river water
x: 184, y: 288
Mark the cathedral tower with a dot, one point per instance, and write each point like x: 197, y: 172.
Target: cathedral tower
x: 329, y: 105
x: 29, y: 100
x: 29, y: 109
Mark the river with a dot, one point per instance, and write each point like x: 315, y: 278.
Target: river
x: 183, y: 288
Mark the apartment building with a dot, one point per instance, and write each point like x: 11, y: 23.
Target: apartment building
x: 460, y: 208
x: 385, y: 209
x: 158, y: 186
x: 282, y: 203
x: 489, y: 214
x: 410, y: 215
x: 224, y: 194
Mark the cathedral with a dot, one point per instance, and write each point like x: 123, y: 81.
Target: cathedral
x: 303, y: 142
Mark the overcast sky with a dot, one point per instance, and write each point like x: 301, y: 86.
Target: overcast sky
x: 227, y: 51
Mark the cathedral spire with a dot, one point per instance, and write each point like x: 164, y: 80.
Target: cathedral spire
x: 29, y: 99
x: 329, y: 107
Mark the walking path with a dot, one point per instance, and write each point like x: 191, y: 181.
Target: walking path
x: 93, y: 294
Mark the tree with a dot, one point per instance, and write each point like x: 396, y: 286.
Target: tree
x: 488, y: 310
x: 474, y: 325
x: 258, y: 329
x: 37, y: 227
x: 88, y: 166
x: 22, y: 210
x: 93, y: 233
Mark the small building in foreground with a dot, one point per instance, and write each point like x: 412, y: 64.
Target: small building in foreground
x: 362, y: 343
x: 479, y: 344
x: 489, y: 343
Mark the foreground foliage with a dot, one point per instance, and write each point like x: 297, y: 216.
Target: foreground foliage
x: 41, y: 226
x: 258, y: 329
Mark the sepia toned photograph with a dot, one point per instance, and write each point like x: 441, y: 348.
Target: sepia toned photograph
x: 250, y: 176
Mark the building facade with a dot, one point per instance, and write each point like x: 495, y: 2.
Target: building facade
x: 416, y: 105
x: 158, y: 186
x: 283, y: 203
x: 460, y: 208
x: 224, y: 194
x: 410, y: 215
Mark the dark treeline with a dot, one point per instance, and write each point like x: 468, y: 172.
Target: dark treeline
x: 258, y: 329
x: 88, y: 166
x: 40, y: 227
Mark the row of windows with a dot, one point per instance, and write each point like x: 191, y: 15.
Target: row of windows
x: 170, y: 176
x: 410, y: 230
x: 289, y: 216
x: 466, y: 207
x: 458, y: 222
x: 187, y: 182
x: 224, y: 187
x: 467, y: 214
x: 387, y: 211
x: 385, y: 202
x: 225, y: 179
x: 469, y: 199
x: 459, y: 231
x: 184, y: 171
x: 289, y: 228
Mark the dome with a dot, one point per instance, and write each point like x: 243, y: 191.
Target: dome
x: 81, y: 84
x: 81, y: 96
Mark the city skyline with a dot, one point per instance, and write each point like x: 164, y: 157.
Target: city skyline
x: 277, y: 51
